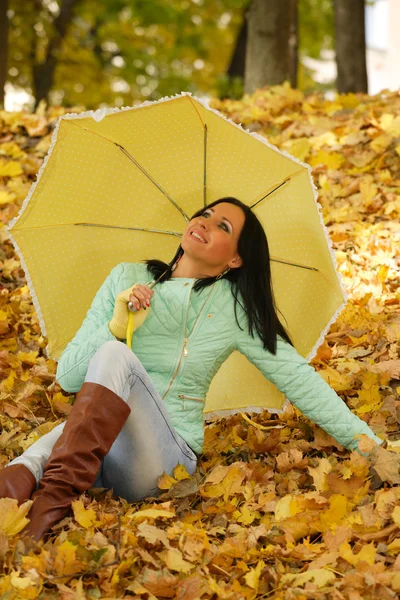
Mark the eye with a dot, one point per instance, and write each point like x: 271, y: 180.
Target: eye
x: 207, y: 213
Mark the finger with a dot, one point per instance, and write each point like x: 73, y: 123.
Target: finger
x: 146, y: 291
x: 140, y: 297
x: 135, y: 302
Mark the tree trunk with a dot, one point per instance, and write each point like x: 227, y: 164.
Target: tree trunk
x: 267, y: 55
x: 236, y: 67
x: 294, y: 43
x: 43, y: 74
x: 350, y: 46
x: 3, y: 49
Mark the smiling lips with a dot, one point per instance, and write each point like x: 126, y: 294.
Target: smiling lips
x: 196, y: 235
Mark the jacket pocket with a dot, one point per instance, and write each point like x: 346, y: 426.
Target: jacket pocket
x: 194, y: 398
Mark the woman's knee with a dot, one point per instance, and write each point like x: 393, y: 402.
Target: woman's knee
x: 112, y: 365
x: 111, y: 355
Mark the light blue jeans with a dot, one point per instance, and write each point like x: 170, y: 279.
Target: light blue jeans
x: 146, y: 446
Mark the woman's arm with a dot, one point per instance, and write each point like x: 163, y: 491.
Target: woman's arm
x: 94, y: 331
x: 304, y: 388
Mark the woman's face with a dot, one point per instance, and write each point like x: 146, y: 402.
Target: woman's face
x: 220, y: 227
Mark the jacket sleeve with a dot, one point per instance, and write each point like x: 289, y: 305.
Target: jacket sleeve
x: 304, y: 388
x: 94, y: 331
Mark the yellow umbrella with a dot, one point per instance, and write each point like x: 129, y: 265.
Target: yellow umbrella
x: 120, y: 185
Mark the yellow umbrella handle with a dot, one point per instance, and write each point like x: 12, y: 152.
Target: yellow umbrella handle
x: 130, y: 328
x: 129, y: 331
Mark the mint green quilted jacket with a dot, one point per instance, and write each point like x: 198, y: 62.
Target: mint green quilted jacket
x: 162, y: 345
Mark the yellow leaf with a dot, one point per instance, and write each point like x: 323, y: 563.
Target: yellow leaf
x: 337, y: 511
x: 369, y: 396
x: 10, y: 168
x: 319, y: 474
x: 152, y: 534
x: 8, y: 383
x: 396, y: 515
x: 380, y: 143
x: 165, y: 481
x: 13, y: 517
x: 252, y: 578
x: 174, y: 561
x: 394, y: 547
x: 298, y: 148
x: 332, y: 160
x: 11, y: 149
x: 337, y: 380
x: 29, y: 358
x: 59, y: 397
x: 152, y: 513
x: 286, y: 507
x: 366, y: 554
x: 321, y: 577
x: 368, y: 191
x: 84, y: 516
x: 245, y: 516
x: 65, y: 562
x: 6, y: 197
x: 396, y: 582
x: 383, y: 273
x: 181, y: 473
x: 28, y: 586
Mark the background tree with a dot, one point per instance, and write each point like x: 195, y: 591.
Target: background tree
x: 311, y: 33
x: 350, y: 46
x: 267, y: 51
x: 121, y: 51
x: 3, y: 48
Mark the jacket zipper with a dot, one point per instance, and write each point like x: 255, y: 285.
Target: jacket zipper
x: 184, y: 351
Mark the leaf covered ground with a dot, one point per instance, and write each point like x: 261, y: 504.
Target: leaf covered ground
x: 283, y: 513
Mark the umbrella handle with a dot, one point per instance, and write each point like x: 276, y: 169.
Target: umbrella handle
x: 131, y: 310
x: 129, y: 331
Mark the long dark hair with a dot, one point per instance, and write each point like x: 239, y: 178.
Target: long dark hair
x: 252, y: 280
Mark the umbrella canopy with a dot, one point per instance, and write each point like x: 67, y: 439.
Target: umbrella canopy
x: 120, y: 185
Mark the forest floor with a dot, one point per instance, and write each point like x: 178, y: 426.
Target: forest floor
x: 280, y: 513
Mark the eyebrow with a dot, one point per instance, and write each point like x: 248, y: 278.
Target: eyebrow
x: 224, y: 218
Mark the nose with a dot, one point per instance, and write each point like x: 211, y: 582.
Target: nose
x: 201, y: 224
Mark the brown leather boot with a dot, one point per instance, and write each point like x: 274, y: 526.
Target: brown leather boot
x: 17, y: 481
x: 94, y: 422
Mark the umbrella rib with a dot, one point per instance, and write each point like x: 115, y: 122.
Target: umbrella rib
x: 139, y: 166
x: 205, y: 151
x: 153, y: 181
x: 286, y: 262
x: 302, y: 267
x: 177, y: 234
x: 274, y: 189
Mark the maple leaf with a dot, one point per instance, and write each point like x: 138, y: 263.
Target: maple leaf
x: 152, y: 534
x: 321, y: 577
x: 367, y: 554
x: 13, y: 517
x: 84, y: 516
x: 252, y: 578
x: 174, y: 560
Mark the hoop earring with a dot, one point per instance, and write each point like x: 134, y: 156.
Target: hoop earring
x: 176, y: 263
x: 222, y: 274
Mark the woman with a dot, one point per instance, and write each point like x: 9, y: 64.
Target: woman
x: 139, y: 412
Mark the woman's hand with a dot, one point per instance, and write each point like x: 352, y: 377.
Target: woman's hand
x: 139, y: 295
